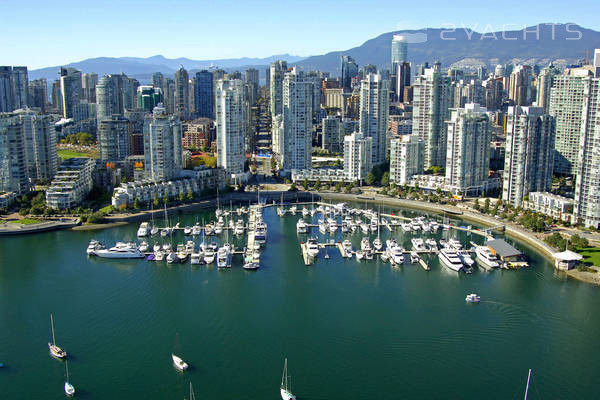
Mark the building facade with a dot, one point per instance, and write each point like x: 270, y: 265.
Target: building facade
x: 114, y: 138
x: 358, y: 159
x: 71, y: 184
x: 162, y: 145
x: 374, y: 111
x: 333, y: 137
x: 529, y: 153
x: 277, y: 73
x: 39, y: 135
x: 13, y: 159
x: 231, y: 127
x: 70, y: 89
x: 406, y: 158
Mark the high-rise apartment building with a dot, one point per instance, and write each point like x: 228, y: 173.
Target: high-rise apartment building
x: 13, y: 160
x: 182, y: 95
x: 545, y: 82
x: 39, y: 140
x: 520, y: 86
x: 297, y: 95
x: 149, y: 97
x: 88, y: 86
x: 114, y: 95
x: 431, y: 97
x: 162, y: 145
x: 252, y: 84
x: 20, y: 87
x: 204, y: 95
x: 70, y: 88
x: 277, y: 73
x: 332, y: 136
x: 231, y: 127
x: 114, y: 138
x: 406, y: 158
x: 349, y: 69
x: 357, y: 156
x: 374, y: 111
x: 399, y: 49
x: 529, y: 153
x: 468, y: 149
x: 38, y: 94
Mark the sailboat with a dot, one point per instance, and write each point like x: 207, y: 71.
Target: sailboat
x: 179, y: 363
x: 55, y: 351
x: 285, y: 390
x: 153, y: 228
x: 69, y: 389
x: 166, y: 230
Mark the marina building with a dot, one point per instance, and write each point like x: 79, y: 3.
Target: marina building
x: 71, y: 184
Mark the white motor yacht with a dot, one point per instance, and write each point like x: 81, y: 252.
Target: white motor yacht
x: 301, y: 226
x: 432, y: 244
x: 156, y: 247
x: 171, y: 257
x: 120, y: 250
x: 144, y: 246
x: 414, y: 257
x: 312, y: 247
x: 187, y: 230
x: 472, y: 298
x: 418, y: 244
x: 196, y: 229
x: 396, y: 254
x: 347, y: 245
x: 485, y: 257
x: 209, y: 255
x: 406, y: 227
x: 377, y: 244
x: 93, y: 247
x: 159, y: 255
x: 450, y: 259
x: 143, y: 230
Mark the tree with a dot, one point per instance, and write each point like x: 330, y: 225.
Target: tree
x: 370, y: 179
x: 136, y: 204
x: 317, y: 184
x: 293, y: 187
x: 166, y: 198
x: 385, y: 179
x: 305, y: 184
x: 181, y: 197
x: 486, y: 206
x: 155, y: 200
x: 190, y: 195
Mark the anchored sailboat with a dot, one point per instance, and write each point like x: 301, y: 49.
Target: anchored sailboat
x: 69, y: 389
x: 285, y: 387
x: 55, y: 351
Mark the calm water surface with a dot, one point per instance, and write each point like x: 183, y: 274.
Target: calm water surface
x: 349, y: 330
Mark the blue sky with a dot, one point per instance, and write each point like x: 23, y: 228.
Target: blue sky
x: 46, y: 33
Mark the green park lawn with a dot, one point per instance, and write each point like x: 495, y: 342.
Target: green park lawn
x: 26, y: 221
x: 66, y: 154
x: 591, y: 255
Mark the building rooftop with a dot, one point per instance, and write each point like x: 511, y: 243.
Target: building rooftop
x: 502, y: 248
x: 567, y: 255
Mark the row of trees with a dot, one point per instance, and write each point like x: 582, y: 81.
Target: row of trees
x: 80, y: 139
x: 559, y: 242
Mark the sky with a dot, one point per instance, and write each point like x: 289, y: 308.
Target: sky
x: 47, y: 33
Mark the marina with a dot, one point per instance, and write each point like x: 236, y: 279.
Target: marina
x: 363, y: 315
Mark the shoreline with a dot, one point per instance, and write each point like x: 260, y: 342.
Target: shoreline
x: 96, y: 227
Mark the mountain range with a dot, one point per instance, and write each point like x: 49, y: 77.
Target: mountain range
x: 561, y: 44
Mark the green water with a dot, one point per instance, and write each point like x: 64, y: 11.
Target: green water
x: 350, y: 330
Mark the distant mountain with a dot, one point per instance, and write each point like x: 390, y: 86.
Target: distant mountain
x: 143, y: 68
x: 553, y: 43
x: 559, y: 43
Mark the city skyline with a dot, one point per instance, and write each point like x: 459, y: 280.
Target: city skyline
x: 103, y: 29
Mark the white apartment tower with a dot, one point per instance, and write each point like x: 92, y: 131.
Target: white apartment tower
x: 162, y: 145
x: 357, y: 156
x: 374, y: 110
x: 431, y: 99
x: 39, y: 137
x: 13, y: 161
x: 231, y: 126
x: 468, y: 149
x: 277, y: 73
x: 297, y: 121
x: 529, y: 153
x: 406, y: 158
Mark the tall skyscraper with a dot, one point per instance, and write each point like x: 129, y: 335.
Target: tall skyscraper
x: 88, y: 85
x: 39, y: 140
x: 333, y: 137
x: 162, y: 145
x: 277, y: 72
x: 431, y: 97
x: 529, y: 153
x: 402, y: 73
x: 182, y: 99
x: 467, y: 91
x: 406, y: 158
x: 374, y: 111
x: 38, y: 94
x: 231, y: 127
x: 544, y: 85
x: 572, y: 99
x: 149, y: 97
x: 252, y: 82
x: 20, y: 87
x: 6, y: 89
x: 349, y: 69
x: 114, y: 95
x: 297, y: 97
x: 586, y: 169
x: 520, y: 86
x: 114, y: 138
x: 357, y: 156
x: 13, y: 161
x: 204, y: 95
x: 468, y: 149
x: 70, y: 88
x: 399, y: 49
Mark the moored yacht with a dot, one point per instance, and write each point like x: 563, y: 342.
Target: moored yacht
x: 312, y: 247
x: 485, y: 257
x: 171, y: 257
x: 179, y: 363
x: 93, y: 247
x: 396, y: 254
x: 432, y: 244
x: 301, y: 226
x: 143, y: 230
x: 418, y: 244
x: 120, y: 250
x: 450, y: 259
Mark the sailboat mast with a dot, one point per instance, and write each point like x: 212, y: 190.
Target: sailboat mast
x: 52, y: 324
x: 284, y: 376
x: 527, y: 387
